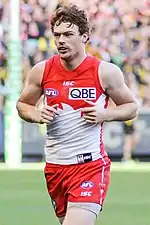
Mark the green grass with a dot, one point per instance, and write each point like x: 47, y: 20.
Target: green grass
x: 24, y: 199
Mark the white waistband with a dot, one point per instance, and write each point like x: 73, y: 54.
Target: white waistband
x: 78, y: 159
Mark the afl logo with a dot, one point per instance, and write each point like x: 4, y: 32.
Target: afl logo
x: 51, y: 92
x: 87, y: 185
x: 82, y: 93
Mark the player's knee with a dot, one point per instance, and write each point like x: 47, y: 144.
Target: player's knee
x: 78, y: 216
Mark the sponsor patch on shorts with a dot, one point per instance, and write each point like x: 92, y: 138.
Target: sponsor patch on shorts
x: 84, y: 158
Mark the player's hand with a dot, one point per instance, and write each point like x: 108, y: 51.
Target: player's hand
x: 94, y: 114
x: 47, y: 114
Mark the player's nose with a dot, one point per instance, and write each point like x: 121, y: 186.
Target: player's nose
x: 61, y: 39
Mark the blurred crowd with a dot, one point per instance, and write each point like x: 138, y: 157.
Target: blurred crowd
x: 120, y: 33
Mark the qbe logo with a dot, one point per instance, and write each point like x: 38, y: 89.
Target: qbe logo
x: 51, y: 92
x: 82, y: 93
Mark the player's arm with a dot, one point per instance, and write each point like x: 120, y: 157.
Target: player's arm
x: 32, y: 91
x: 112, y: 81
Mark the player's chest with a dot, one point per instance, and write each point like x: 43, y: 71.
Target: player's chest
x: 75, y: 89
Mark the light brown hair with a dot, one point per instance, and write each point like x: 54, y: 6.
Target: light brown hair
x: 73, y: 15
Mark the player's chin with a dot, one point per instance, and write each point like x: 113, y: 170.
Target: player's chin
x: 65, y: 56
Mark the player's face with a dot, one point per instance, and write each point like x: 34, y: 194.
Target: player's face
x: 68, y: 40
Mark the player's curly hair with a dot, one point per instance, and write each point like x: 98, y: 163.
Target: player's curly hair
x: 72, y: 14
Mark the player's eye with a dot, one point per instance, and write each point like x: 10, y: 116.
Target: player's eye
x: 56, y: 35
x: 68, y: 34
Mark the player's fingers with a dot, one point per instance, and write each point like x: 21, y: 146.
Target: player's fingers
x: 92, y: 114
x: 49, y: 118
x: 90, y: 102
x: 45, y: 121
x: 91, y: 121
x: 46, y: 112
x: 89, y: 117
x: 53, y: 108
x: 88, y: 109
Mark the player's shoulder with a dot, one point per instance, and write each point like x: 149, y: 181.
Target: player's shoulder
x: 109, y: 73
x: 109, y: 70
x: 93, y: 58
x: 107, y: 67
x: 36, y: 72
x: 39, y: 66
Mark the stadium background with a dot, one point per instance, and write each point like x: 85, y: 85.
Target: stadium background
x: 119, y: 34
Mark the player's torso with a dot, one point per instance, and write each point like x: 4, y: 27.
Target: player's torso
x: 70, y: 139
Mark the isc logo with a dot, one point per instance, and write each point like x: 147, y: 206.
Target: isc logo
x: 68, y: 83
x: 86, y: 193
x: 82, y: 93
x: 51, y: 92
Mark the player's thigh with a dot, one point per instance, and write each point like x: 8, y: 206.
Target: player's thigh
x: 89, y: 186
x: 55, y: 190
x: 79, y: 216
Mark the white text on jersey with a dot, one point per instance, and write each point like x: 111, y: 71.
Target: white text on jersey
x: 68, y: 83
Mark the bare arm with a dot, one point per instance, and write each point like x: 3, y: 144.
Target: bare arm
x: 30, y: 95
x: 26, y: 104
x: 113, y: 83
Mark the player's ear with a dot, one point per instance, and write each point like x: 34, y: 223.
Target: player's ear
x: 85, y: 38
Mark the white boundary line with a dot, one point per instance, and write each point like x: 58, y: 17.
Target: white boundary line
x: 115, y: 167
x: 130, y: 167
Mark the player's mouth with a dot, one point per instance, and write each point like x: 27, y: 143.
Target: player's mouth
x: 62, y: 50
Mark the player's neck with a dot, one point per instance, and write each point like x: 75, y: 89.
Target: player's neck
x: 73, y: 63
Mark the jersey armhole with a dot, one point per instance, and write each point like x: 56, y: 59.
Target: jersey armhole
x: 96, y: 74
x: 47, y: 69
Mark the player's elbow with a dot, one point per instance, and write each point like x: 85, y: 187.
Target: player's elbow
x: 18, y: 107
x: 133, y: 110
